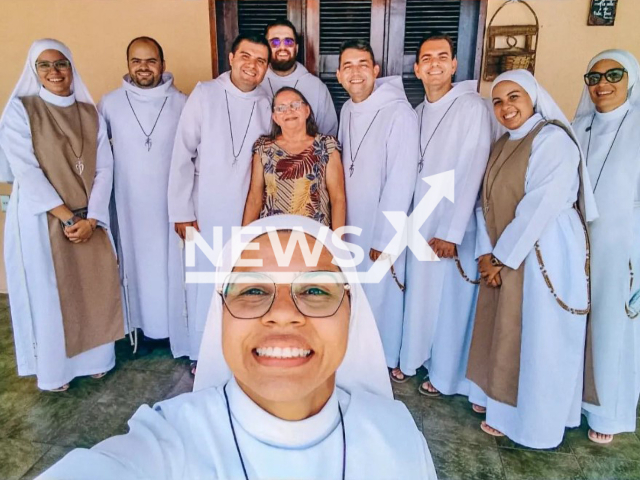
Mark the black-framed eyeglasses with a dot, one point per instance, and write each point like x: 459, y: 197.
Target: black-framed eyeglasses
x: 285, y: 107
x: 287, y: 42
x: 316, y: 294
x: 59, y: 65
x: 613, y: 75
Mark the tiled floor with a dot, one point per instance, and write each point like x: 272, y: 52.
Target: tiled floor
x: 37, y: 428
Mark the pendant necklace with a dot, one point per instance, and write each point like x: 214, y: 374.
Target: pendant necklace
x: 148, y: 143
x: 353, y: 158
x: 271, y: 86
x: 423, y: 151
x: 79, y: 165
x: 610, y: 148
x: 235, y: 438
x: 233, y: 145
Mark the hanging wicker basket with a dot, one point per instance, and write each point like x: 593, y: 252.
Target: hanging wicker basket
x: 514, y: 56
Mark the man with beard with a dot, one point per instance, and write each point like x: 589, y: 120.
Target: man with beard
x: 285, y: 71
x: 211, y: 163
x: 142, y: 117
x: 379, y: 136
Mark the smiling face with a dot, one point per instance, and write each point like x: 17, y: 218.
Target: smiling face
x: 283, y: 57
x: 512, y: 105
x: 285, y: 356
x: 436, y: 65
x: 357, y: 73
x: 248, y: 65
x: 291, y: 120
x: 608, y: 96
x: 145, y: 66
x: 56, y: 80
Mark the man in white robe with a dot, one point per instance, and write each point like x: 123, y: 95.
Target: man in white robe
x: 142, y: 118
x: 455, y: 135
x: 285, y: 71
x: 211, y: 163
x: 379, y: 137
x: 325, y: 412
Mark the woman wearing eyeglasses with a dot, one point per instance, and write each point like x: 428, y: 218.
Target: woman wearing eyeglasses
x: 61, y: 268
x: 296, y: 170
x: 607, y: 124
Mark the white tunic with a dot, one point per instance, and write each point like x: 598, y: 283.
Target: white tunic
x: 148, y: 247
x: 615, y: 243
x: 210, y: 173
x: 190, y: 437
x: 553, y: 340
x: 379, y: 138
x: 314, y: 90
x: 33, y: 293
x: 439, y: 302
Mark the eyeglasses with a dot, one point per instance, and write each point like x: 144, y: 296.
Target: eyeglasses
x: 250, y: 295
x: 285, y: 107
x: 287, y: 42
x: 612, y: 76
x: 59, y: 65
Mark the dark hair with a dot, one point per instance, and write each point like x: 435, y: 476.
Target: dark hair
x: 357, y: 44
x: 250, y: 37
x: 147, y: 39
x: 312, y: 126
x: 282, y: 22
x: 435, y: 35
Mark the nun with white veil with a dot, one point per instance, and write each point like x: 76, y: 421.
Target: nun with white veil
x: 607, y: 124
x: 291, y: 384
x: 530, y: 334
x: 62, y: 274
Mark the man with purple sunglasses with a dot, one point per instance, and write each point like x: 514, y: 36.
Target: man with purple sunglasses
x: 285, y: 71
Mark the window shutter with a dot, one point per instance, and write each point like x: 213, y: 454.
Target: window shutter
x: 254, y: 15
x: 339, y: 21
x: 424, y: 16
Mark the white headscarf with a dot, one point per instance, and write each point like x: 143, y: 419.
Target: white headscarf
x: 363, y: 367
x: 29, y: 84
x: 545, y: 105
x: 629, y: 62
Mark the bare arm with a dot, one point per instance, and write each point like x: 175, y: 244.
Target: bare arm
x: 335, y: 187
x: 256, y: 191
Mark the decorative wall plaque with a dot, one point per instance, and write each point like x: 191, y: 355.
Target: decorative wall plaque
x: 603, y: 12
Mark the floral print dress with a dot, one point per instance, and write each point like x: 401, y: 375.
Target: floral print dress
x: 296, y: 184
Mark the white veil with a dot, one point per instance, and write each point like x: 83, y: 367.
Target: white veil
x: 29, y: 84
x: 364, y: 365
x: 629, y: 62
x: 545, y: 105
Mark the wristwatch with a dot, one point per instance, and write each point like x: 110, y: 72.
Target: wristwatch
x: 72, y: 221
x: 495, y: 262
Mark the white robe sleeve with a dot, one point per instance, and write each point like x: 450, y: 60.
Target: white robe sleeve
x: 470, y: 167
x: 483, y: 242
x: 552, y: 171
x: 327, y: 119
x: 151, y: 450
x: 100, y: 197
x: 36, y: 192
x: 185, y: 151
x: 401, y: 171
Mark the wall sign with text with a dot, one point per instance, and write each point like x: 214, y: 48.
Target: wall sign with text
x: 602, y: 12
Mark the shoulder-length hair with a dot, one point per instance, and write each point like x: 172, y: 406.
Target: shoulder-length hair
x: 312, y: 126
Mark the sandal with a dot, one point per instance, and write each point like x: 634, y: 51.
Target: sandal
x: 394, y: 375
x: 98, y: 376
x: 484, y: 426
x: 593, y: 436
x: 427, y: 393
x: 478, y: 408
x: 63, y: 388
x: 193, y: 367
